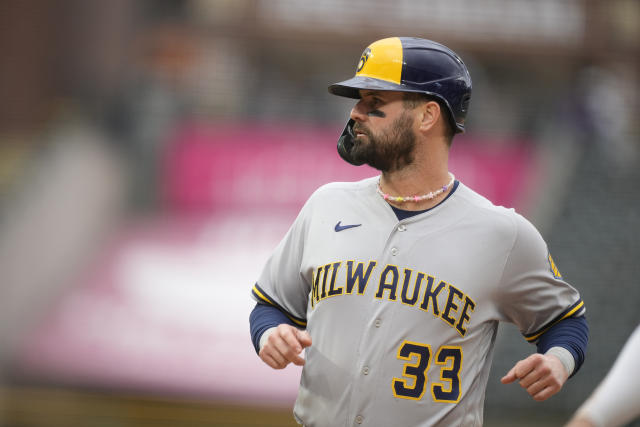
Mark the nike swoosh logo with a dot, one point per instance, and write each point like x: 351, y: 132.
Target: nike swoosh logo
x: 339, y: 227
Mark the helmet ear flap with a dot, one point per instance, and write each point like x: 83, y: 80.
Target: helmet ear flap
x: 346, y: 143
x: 464, y: 103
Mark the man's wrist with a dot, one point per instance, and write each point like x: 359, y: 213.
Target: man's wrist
x: 265, y: 336
x: 565, y: 357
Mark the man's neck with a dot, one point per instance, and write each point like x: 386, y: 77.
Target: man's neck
x: 408, y: 189
x: 417, y: 179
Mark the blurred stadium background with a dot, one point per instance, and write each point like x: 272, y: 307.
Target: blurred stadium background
x: 152, y: 152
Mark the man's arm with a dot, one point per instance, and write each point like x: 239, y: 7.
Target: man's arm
x: 561, y: 351
x: 275, y: 337
x: 615, y: 401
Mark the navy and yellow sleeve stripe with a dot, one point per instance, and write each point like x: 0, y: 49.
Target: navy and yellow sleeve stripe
x: 575, y: 310
x: 264, y: 298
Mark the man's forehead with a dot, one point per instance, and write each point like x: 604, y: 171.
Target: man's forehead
x: 380, y: 93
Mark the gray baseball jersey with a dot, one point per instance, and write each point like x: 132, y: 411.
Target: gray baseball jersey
x: 403, y: 314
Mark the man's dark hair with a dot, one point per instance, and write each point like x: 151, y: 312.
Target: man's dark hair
x: 412, y: 100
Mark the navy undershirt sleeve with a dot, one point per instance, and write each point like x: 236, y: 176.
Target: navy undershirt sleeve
x: 571, y: 334
x: 263, y: 317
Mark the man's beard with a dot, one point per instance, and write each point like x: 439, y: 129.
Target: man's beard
x: 389, y: 151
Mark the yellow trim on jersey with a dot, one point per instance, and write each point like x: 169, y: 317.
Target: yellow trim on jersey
x: 266, y: 299
x: 261, y: 295
x: 296, y: 321
x: 568, y: 314
x: 554, y: 268
x: 382, y: 60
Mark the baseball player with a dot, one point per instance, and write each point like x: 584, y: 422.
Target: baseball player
x: 395, y: 285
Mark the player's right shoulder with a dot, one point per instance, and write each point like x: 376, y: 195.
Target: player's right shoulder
x: 348, y: 189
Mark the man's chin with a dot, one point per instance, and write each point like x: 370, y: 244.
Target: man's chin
x: 376, y: 165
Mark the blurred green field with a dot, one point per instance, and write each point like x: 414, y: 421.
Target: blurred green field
x: 57, y: 407
x: 60, y: 407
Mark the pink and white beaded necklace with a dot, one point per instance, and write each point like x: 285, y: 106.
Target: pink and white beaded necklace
x: 428, y: 196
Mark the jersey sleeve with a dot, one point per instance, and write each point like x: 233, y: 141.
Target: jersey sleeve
x: 532, y: 293
x: 281, y: 282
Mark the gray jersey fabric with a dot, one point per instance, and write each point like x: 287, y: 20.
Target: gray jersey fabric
x: 403, y: 314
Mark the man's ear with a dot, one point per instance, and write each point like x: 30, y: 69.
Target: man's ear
x: 429, y: 115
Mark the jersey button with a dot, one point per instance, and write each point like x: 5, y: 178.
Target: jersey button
x: 402, y: 227
x: 394, y: 251
x: 378, y: 323
x: 365, y: 370
x: 359, y: 419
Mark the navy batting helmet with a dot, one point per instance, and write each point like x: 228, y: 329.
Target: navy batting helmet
x: 410, y: 64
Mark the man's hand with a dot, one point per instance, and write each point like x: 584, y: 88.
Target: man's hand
x: 541, y: 375
x: 284, y: 345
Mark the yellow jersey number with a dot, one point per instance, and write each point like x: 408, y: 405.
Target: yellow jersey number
x: 413, y: 383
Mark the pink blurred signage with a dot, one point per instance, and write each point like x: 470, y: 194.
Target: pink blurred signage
x: 209, y: 167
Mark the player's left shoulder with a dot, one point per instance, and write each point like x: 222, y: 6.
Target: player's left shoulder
x: 483, y: 209
x: 498, y: 220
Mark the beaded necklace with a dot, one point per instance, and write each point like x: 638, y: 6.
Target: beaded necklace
x: 428, y: 196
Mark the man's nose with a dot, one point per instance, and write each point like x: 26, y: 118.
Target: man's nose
x: 358, y: 112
